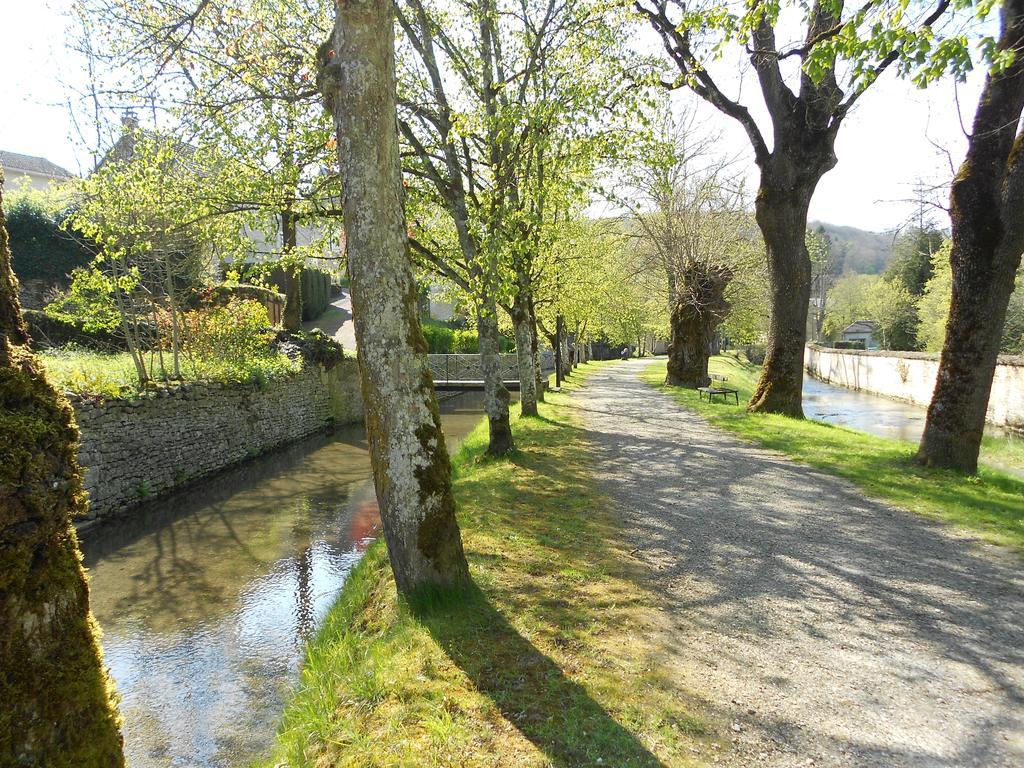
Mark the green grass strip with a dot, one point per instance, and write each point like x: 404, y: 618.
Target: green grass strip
x: 557, y: 656
x: 990, y: 504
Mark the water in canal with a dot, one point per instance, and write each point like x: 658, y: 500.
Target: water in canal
x: 862, y: 410
x: 868, y: 412
x: 205, y: 599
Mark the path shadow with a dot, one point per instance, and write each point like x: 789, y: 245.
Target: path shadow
x: 791, y: 585
x: 528, y: 688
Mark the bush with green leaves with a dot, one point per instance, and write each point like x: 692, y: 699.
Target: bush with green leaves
x: 438, y: 338
x: 43, y: 246
x: 90, y: 301
x: 443, y: 339
x: 233, y: 342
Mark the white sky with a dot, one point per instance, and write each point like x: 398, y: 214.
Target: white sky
x: 883, y: 148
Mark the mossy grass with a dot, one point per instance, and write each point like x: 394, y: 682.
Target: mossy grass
x: 990, y: 504
x: 113, y: 375
x: 86, y: 372
x: 552, y: 657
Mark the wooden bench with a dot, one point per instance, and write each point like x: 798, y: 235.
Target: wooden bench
x: 717, y: 387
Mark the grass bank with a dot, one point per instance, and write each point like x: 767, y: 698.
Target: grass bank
x: 113, y: 374
x: 84, y: 371
x: 550, y: 660
x: 990, y: 504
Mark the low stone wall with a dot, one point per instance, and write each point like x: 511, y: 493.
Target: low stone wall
x: 132, y: 451
x: 910, y: 376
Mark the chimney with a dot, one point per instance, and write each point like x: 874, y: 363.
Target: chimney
x: 129, y: 122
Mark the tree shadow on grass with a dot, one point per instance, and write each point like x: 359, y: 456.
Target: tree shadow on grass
x: 528, y: 688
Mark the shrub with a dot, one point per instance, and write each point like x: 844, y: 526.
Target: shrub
x: 233, y: 342
x: 465, y: 342
x: 316, y: 293
x: 90, y: 301
x: 49, y: 331
x: 443, y: 339
x: 855, y: 344
x: 315, y: 347
x: 41, y: 247
x: 439, y: 338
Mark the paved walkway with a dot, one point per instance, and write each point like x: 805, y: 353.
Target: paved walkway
x: 337, y: 321
x: 828, y: 629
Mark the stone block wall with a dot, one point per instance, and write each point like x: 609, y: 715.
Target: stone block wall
x: 132, y: 451
x: 910, y: 376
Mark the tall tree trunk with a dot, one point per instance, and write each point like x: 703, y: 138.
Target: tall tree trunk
x: 687, y: 350
x: 699, y: 309
x: 804, y: 128
x: 987, y: 212
x: 292, y: 319
x: 535, y: 338
x: 172, y: 305
x: 781, y: 211
x: 57, y: 708
x: 552, y: 339
x: 496, y: 396
x: 411, y: 470
x: 535, y: 350
x: 522, y: 323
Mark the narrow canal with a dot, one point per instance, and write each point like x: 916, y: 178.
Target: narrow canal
x: 862, y: 410
x: 897, y: 420
x: 206, y: 599
x: 868, y: 412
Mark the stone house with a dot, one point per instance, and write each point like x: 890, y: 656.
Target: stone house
x: 38, y: 171
x: 861, y: 330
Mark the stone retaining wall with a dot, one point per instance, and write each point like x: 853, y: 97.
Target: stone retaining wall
x: 910, y: 376
x: 134, y: 450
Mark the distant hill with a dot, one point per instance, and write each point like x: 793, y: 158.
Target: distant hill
x: 857, y: 250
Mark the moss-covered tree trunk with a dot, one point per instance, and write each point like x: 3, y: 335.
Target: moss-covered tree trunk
x: 699, y: 309
x: 535, y: 348
x: 987, y: 212
x: 292, y: 317
x: 781, y: 210
x: 496, y: 396
x: 522, y: 323
x: 410, y: 461
x: 56, y: 706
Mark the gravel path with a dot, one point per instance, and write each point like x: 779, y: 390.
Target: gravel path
x: 822, y: 628
x: 337, y: 321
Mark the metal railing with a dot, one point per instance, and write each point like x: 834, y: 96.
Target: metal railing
x: 467, y: 367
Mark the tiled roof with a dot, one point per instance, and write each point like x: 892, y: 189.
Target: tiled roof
x: 861, y: 326
x: 28, y: 164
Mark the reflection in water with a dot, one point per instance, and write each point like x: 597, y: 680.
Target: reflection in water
x: 867, y: 412
x: 862, y: 410
x: 206, y: 598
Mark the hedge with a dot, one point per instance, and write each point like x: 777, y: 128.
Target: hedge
x: 443, y: 340
x: 47, y: 331
x: 40, y: 248
x: 316, y: 286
